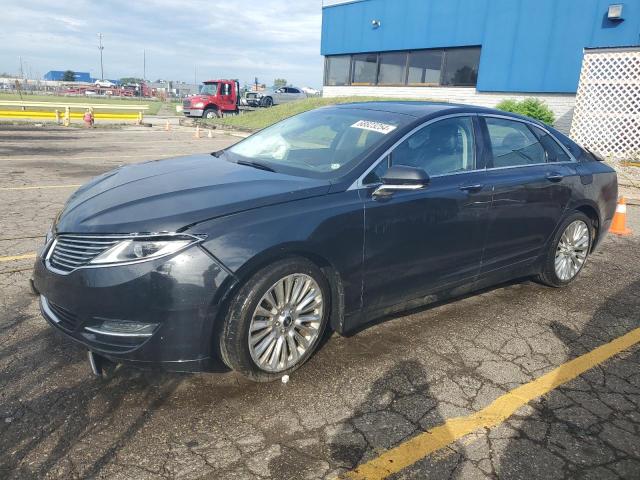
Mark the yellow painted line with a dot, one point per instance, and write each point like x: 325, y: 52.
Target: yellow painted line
x: 424, y: 444
x: 38, y: 187
x: 24, y: 256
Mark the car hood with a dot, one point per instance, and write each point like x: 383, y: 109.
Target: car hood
x: 168, y: 195
x: 198, y: 98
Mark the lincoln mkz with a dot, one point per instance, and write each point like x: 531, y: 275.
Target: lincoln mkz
x: 248, y: 257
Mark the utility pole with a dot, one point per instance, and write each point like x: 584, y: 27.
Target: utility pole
x: 144, y: 65
x: 195, y: 77
x: 21, y: 70
x: 100, y: 47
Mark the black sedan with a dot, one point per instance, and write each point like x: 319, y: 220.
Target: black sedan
x: 324, y: 221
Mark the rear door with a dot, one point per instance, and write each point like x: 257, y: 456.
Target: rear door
x: 529, y: 174
x: 296, y: 94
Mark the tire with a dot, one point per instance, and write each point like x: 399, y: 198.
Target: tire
x: 281, y: 326
x: 564, y: 274
x: 211, y: 113
x: 267, y: 102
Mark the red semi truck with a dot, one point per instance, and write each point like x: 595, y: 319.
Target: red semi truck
x: 216, y: 97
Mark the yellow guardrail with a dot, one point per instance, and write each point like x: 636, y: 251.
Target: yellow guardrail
x: 62, y: 112
x: 83, y: 106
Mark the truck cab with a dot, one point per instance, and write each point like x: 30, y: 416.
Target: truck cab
x: 216, y: 97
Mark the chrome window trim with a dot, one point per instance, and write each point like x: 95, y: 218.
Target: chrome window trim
x: 359, y: 183
x: 534, y: 124
x: 120, y: 237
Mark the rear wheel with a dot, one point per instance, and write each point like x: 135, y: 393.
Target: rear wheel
x: 276, y: 320
x: 568, y: 251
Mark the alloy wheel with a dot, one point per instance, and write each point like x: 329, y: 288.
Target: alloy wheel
x: 572, y: 250
x: 286, y: 323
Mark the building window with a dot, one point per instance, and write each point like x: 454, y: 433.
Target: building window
x: 337, y: 70
x: 393, y: 68
x: 425, y: 67
x: 461, y: 67
x: 365, y: 69
x: 452, y: 67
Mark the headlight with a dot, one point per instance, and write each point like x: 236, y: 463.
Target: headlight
x: 199, y: 105
x: 145, y: 248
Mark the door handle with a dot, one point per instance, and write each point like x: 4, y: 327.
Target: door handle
x: 472, y: 188
x: 555, y: 177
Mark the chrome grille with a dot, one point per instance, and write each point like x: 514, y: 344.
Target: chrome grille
x: 73, y: 251
x: 252, y: 95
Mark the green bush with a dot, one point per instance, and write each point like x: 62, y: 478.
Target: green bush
x: 530, y: 107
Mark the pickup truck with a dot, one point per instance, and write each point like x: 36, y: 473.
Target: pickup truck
x: 216, y: 98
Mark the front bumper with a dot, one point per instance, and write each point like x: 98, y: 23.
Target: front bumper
x: 179, y: 294
x: 193, y: 112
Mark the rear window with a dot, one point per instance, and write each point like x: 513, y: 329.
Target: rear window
x: 513, y: 144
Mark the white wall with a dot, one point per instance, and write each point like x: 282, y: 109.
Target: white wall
x: 561, y: 104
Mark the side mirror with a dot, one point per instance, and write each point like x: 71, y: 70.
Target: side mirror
x: 401, y: 177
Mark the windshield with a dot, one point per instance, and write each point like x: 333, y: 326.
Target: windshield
x: 322, y: 143
x: 209, y: 89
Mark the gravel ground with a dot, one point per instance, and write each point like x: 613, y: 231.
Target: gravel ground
x: 354, y: 399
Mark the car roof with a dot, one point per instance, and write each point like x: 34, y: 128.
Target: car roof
x: 424, y: 109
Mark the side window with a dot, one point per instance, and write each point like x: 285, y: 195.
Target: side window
x: 555, y: 152
x: 513, y: 144
x: 226, y: 89
x: 443, y: 147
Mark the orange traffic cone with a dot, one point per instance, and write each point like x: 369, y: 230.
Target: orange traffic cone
x: 197, y: 132
x: 619, y: 224
x: 167, y: 127
x: 210, y: 134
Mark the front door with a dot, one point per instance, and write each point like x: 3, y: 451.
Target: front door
x: 227, y: 99
x: 529, y: 175
x: 420, y: 242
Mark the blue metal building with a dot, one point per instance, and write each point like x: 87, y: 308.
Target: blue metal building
x: 523, y: 46
x: 57, y: 75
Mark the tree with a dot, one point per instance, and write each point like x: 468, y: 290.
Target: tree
x: 280, y: 82
x: 69, y: 76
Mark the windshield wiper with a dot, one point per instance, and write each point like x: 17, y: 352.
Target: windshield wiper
x: 218, y: 154
x: 257, y: 165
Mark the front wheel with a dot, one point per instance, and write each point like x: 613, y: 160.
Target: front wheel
x: 568, y: 251
x: 211, y: 113
x: 267, y: 102
x: 276, y: 320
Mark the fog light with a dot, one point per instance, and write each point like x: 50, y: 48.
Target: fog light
x: 123, y: 328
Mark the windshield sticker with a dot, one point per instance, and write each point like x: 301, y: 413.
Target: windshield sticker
x: 335, y: 166
x: 382, y: 128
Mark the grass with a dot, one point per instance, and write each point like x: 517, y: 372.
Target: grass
x: 264, y: 117
x: 154, y: 105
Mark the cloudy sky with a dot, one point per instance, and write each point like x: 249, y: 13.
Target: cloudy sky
x: 233, y: 38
